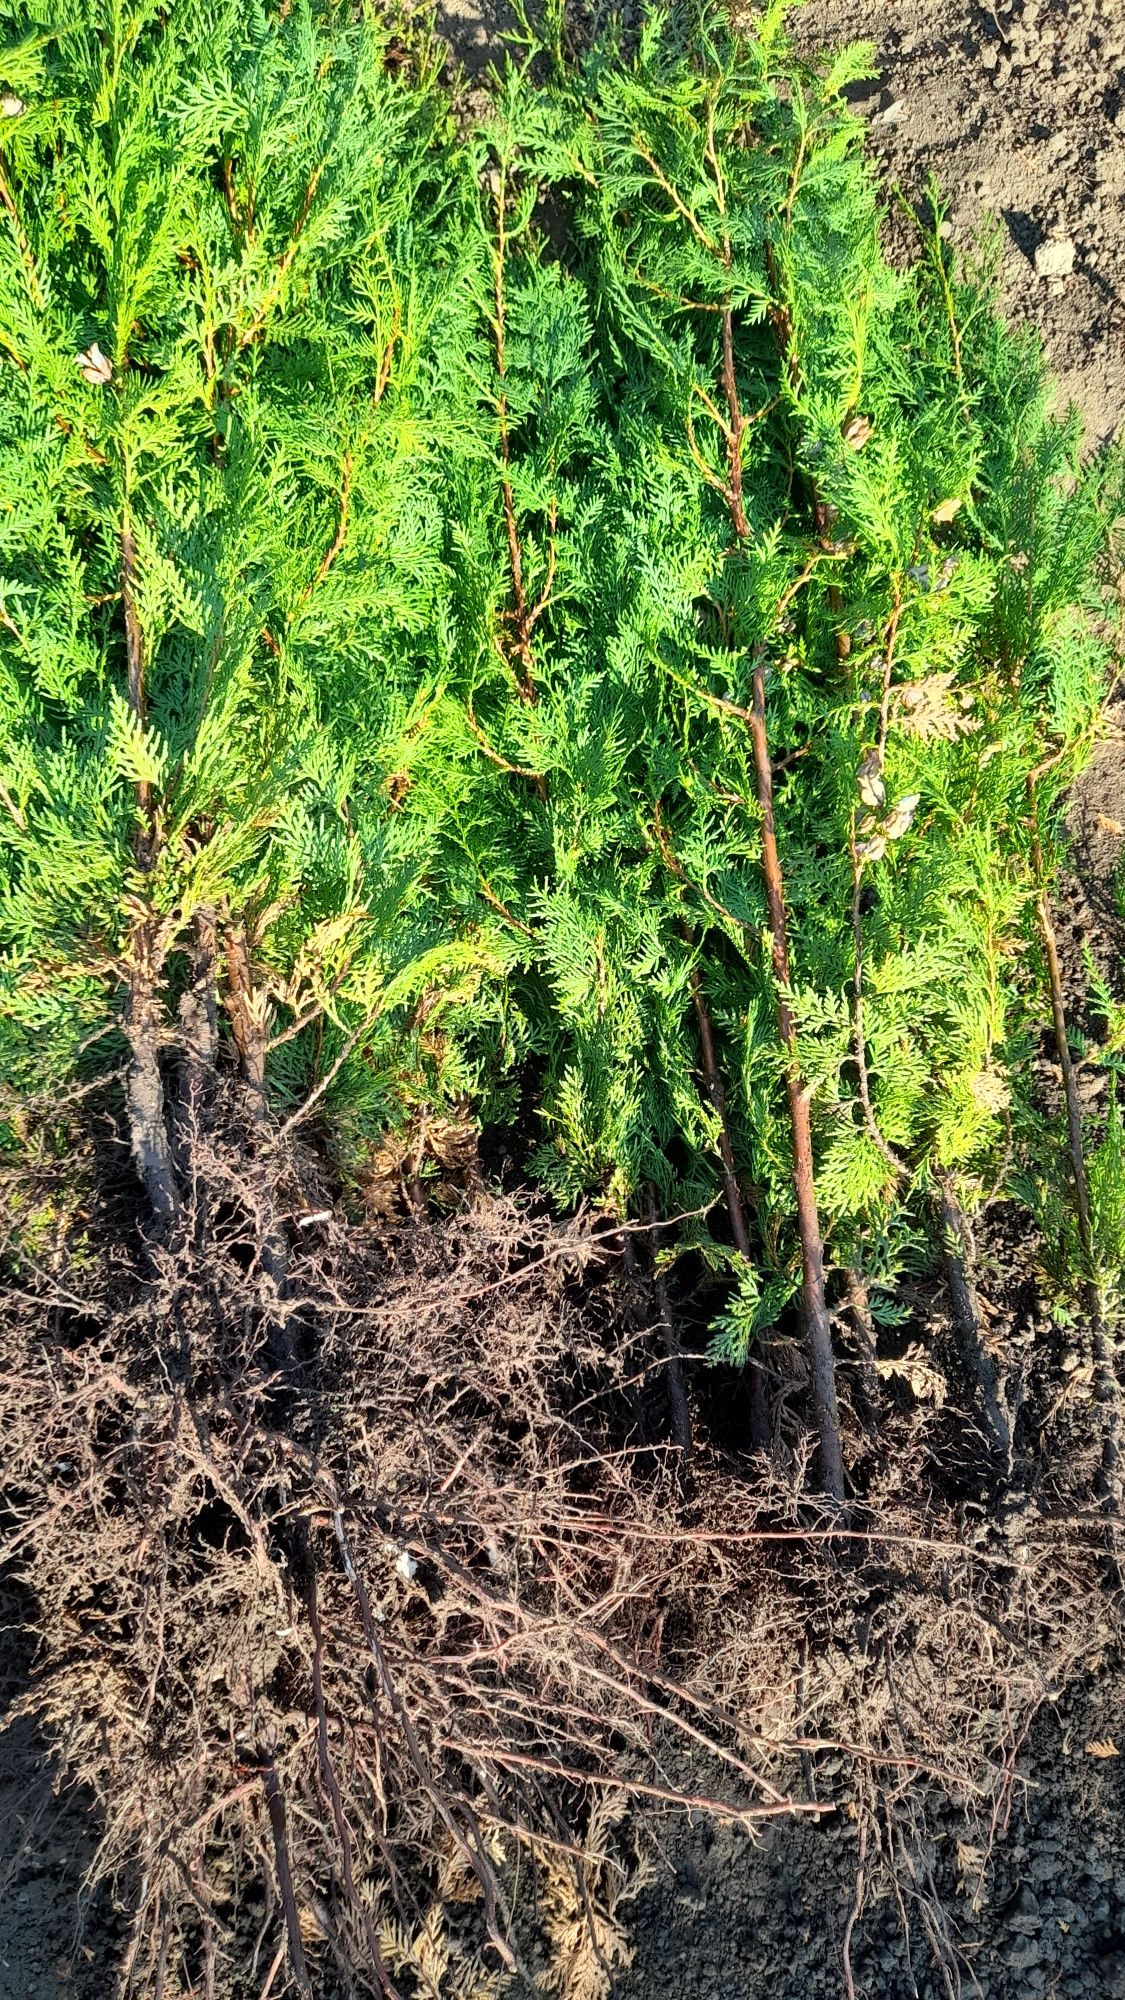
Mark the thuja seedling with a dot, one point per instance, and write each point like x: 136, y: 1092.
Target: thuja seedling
x: 558, y: 613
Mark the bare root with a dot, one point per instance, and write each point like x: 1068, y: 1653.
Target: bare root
x: 353, y: 1651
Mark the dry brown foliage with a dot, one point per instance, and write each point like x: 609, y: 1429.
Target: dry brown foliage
x: 380, y: 1645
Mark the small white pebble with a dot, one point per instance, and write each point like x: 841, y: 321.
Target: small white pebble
x: 1055, y: 257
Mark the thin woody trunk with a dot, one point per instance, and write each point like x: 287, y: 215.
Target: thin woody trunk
x: 677, y: 1394
x: 198, y: 1046
x: 249, y: 1019
x: 979, y: 1362
x: 249, y: 1024
x: 759, y: 1402
x: 867, y: 1372
x: 1106, y: 1387
x: 521, y: 617
x: 818, y: 1325
x: 144, y: 1085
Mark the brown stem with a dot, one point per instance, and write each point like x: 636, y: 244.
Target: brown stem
x: 144, y: 1085
x: 759, y: 1401
x: 979, y: 1363
x: 817, y: 1322
x: 677, y: 1394
x: 859, y: 1036
x: 198, y: 1031
x: 143, y: 1022
x: 520, y: 616
x: 22, y: 244
x: 494, y: 757
x: 1105, y: 1376
x: 818, y: 1326
x: 737, y: 425
x: 249, y: 1018
x: 818, y: 1329
x: 859, y: 1306
x: 760, y: 1431
x: 337, y: 541
x: 274, y: 293
x: 275, y: 1806
x: 1066, y: 1066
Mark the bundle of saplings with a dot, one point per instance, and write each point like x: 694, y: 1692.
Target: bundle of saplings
x: 556, y: 616
x: 540, y: 634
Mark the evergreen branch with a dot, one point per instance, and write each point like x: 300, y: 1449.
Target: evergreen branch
x: 544, y: 599
x: 674, y: 197
x: 135, y: 658
x: 937, y: 252
x: 267, y: 305
x: 494, y: 757
x: 676, y: 299
x: 311, y: 1014
x: 713, y: 410
x: 495, y: 903
x: 297, y: 1027
x: 781, y: 320
x: 23, y: 245
x: 797, y: 170
x: 715, y: 701
x: 337, y: 542
x: 737, y: 424
x: 803, y: 576
x: 11, y: 807
x: 231, y: 198
x: 712, y: 478
x: 889, y: 645
x: 242, y: 224
x: 677, y: 870
x: 818, y: 1326
x: 711, y: 153
x: 520, y: 614
x: 13, y: 354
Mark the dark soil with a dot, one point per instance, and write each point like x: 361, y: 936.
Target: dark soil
x: 769, y: 1923
x: 1020, y: 111
x: 48, y: 1947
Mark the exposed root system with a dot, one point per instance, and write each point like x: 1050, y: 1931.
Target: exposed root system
x: 383, y: 1664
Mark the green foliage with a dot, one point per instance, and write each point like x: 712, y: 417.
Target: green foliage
x: 1078, y: 1267
x: 224, y: 345
x: 448, y: 642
